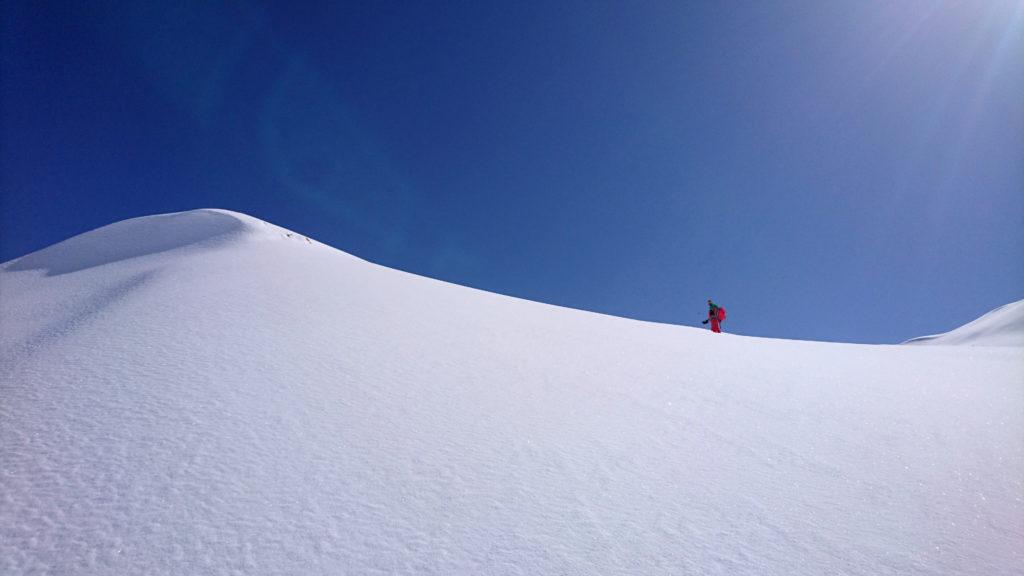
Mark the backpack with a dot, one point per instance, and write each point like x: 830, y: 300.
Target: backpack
x: 721, y: 314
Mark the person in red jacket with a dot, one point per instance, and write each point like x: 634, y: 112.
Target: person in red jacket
x: 714, y: 317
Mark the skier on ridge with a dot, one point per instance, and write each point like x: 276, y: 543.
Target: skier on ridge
x: 716, y: 314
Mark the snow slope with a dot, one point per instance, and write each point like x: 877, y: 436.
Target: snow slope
x: 1003, y: 326
x: 206, y: 393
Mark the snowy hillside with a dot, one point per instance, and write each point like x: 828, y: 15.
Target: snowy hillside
x: 1003, y: 326
x: 206, y: 393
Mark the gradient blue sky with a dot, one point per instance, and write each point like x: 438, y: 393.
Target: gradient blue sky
x: 847, y: 171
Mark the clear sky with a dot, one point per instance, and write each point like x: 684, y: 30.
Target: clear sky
x: 847, y: 171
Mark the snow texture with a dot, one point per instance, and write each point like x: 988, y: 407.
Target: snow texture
x: 1003, y: 326
x: 206, y: 393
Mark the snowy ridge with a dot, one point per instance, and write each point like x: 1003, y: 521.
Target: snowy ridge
x: 1003, y: 326
x: 205, y: 393
x: 134, y: 238
x: 145, y: 236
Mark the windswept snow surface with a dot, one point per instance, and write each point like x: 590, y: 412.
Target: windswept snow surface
x: 1003, y: 326
x: 205, y: 393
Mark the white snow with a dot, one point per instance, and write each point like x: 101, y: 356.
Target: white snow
x: 205, y: 393
x: 1003, y: 326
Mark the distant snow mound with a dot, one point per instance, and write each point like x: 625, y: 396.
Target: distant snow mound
x: 134, y: 238
x: 1003, y: 326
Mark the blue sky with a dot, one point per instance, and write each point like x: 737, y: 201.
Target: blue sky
x: 846, y: 171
